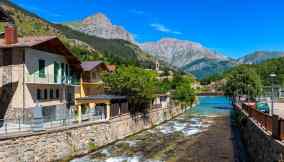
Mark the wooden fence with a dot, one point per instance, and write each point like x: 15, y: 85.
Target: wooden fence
x: 273, y: 124
x: 265, y: 120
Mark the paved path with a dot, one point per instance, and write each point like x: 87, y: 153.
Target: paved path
x: 279, y: 109
x: 219, y: 144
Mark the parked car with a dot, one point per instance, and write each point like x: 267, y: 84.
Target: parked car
x: 263, y: 107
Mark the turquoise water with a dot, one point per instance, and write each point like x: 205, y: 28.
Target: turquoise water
x: 211, y: 106
x: 165, y: 137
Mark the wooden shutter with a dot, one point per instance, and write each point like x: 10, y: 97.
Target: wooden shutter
x: 56, y: 72
x: 41, y: 68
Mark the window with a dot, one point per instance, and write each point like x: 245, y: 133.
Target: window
x: 45, y: 94
x: 51, y: 94
x: 41, y: 68
x: 94, y: 75
x: 38, y: 94
x: 67, y: 71
x: 62, y: 72
x: 7, y: 56
x: 57, y: 94
x: 56, y: 72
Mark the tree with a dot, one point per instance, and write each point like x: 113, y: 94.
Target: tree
x: 184, y: 92
x: 243, y: 81
x: 139, y: 85
x: 165, y: 86
x: 271, y: 66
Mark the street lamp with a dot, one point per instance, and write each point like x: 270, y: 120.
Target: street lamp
x: 272, y: 76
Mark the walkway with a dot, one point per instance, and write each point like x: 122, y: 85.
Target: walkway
x: 279, y: 109
x: 213, y: 145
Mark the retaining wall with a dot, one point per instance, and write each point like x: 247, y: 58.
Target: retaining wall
x: 261, y: 147
x: 62, y: 143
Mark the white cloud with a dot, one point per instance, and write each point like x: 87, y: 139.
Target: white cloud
x: 160, y: 27
x: 164, y: 29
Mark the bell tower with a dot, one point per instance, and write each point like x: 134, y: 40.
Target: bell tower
x: 157, y: 68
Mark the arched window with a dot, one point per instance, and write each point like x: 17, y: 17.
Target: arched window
x: 38, y: 94
x: 57, y: 93
x: 51, y: 96
x: 45, y: 94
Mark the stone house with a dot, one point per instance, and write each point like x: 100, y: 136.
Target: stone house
x: 35, y: 71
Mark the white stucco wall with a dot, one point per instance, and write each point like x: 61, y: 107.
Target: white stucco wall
x: 25, y: 75
x: 31, y: 61
x: 34, y: 82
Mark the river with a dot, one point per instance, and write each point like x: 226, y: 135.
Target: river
x: 203, y: 133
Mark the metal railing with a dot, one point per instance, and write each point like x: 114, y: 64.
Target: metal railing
x: 18, y: 126
x: 50, y: 79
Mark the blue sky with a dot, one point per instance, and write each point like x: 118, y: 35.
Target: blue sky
x: 232, y: 27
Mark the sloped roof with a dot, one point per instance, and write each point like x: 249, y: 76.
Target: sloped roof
x: 91, y: 65
x: 49, y: 44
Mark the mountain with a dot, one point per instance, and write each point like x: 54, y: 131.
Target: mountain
x: 190, y: 56
x: 259, y: 57
x: 99, y: 25
x: 86, y: 47
x: 202, y: 68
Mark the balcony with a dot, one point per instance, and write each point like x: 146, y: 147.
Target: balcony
x: 50, y: 79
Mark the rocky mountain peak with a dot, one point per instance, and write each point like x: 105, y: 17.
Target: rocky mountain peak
x: 259, y: 57
x: 180, y: 43
x: 191, y: 56
x: 101, y: 26
x: 97, y: 19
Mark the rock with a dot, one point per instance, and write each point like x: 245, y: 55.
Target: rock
x: 190, y: 56
x: 99, y: 25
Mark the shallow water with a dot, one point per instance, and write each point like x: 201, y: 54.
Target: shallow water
x: 159, y: 144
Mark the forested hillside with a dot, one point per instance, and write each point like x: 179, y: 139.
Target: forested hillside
x: 264, y: 69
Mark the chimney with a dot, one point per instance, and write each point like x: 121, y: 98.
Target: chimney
x: 10, y: 34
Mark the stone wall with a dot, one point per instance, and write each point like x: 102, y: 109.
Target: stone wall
x: 79, y: 139
x: 259, y: 143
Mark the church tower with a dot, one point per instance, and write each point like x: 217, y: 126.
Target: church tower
x: 157, y: 66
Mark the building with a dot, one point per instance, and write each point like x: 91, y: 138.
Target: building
x: 277, y: 89
x: 92, y: 100
x: 162, y: 101
x: 35, y: 71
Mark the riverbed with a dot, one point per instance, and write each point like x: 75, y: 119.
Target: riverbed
x: 203, y: 133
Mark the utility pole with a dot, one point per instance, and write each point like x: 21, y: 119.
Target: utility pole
x: 272, y: 76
